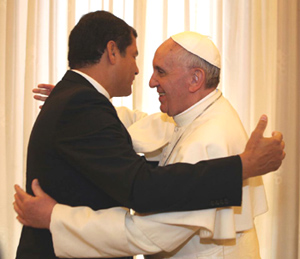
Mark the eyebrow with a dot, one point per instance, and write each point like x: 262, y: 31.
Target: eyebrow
x: 158, y: 68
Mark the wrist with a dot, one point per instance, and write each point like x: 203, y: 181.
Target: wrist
x: 51, y: 214
x: 246, y: 165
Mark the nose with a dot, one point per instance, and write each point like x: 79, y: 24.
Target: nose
x: 136, y: 69
x: 153, y: 83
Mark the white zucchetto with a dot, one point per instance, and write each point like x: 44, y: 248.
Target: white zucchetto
x: 199, y: 45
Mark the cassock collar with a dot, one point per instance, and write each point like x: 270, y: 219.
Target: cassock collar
x: 189, y: 115
x: 98, y: 87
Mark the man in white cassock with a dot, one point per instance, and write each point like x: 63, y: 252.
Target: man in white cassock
x: 196, y: 123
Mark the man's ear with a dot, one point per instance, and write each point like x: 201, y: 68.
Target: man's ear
x: 112, y: 51
x: 197, y: 80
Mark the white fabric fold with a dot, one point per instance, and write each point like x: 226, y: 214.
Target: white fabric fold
x: 77, y: 232
x: 218, y: 132
x: 159, y: 126
x: 169, y: 230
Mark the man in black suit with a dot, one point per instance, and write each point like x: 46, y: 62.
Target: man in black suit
x: 82, y: 154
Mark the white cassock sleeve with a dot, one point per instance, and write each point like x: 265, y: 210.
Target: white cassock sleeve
x: 82, y: 232
x: 129, y: 117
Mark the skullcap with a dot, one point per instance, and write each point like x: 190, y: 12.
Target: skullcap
x: 199, y: 45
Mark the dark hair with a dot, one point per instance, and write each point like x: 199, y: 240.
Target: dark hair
x: 88, y: 39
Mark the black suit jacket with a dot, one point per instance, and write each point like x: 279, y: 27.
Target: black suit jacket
x: 82, y: 155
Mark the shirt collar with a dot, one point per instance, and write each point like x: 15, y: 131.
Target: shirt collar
x: 98, y: 87
x: 189, y: 115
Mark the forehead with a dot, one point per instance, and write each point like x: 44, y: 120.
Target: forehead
x: 166, y: 53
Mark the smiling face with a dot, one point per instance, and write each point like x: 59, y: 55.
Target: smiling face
x: 171, y: 78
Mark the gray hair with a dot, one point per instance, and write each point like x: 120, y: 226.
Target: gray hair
x: 190, y: 60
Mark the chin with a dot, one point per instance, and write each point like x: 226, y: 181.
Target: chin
x: 163, y: 110
x: 124, y: 94
x: 127, y: 94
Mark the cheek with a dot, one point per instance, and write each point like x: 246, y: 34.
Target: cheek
x: 133, y: 64
x: 172, y: 102
x: 175, y: 98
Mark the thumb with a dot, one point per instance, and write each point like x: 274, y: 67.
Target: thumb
x: 36, y: 188
x: 261, y: 126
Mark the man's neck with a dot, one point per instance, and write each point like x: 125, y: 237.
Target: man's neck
x: 101, y: 72
x: 98, y: 86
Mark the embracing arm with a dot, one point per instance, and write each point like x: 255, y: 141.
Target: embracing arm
x: 175, y: 187
x: 147, y: 189
x: 258, y: 148
x: 82, y: 232
x: 32, y: 211
x: 261, y: 155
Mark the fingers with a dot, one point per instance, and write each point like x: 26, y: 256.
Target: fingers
x: 18, y: 203
x: 277, y: 135
x: 262, y: 155
x: 20, y: 198
x: 45, y: 89
x: 22, y: 221
x: 46, y: 86
x: 263, y: 117
x: 41, y: 91
x: 20, y: 193
x: 16, y: 207
x: 33, y: 211
x: 40, y: 98
x: 260, y: 127
x: 36, y: 90
x: 36, y: 188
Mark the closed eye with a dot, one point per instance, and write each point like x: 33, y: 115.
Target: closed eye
x: 160, y: 71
